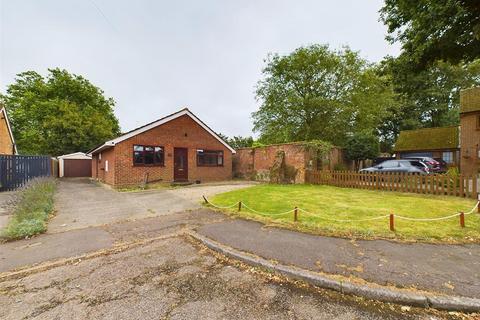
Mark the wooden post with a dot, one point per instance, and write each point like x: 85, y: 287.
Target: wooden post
x: 295, y: 214
x: 239, y: 206
x: 204, y: 198
x: 478, y: 198
x: 392, y: 222
x: 462, y: 220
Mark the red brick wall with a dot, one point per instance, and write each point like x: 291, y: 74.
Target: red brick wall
x: 182, y: 132
x: 256, y: 162
x: 99, y: 166
x: 6, y: 145
x: 470, y: 131
x: 469, y: 143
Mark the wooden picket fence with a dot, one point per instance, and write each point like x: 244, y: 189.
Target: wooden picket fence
x: 436, y: 184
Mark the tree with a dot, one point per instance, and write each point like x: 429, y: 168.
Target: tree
x: 237, y: 141
x: 425, y: 98
x: 59, y: 114
x: 431, y: 30
x: 318, y: 93
x: 361, y: 146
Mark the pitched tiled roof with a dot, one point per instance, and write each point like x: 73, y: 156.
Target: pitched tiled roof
x: 428, y: 139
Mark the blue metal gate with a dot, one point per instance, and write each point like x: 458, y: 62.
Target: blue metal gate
x: 15, y: 171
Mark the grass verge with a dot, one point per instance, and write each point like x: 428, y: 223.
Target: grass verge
x: 328, y: 202
x: 31, y: 209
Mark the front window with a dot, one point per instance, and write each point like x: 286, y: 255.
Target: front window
x: 148, y: 155
x: 209, y: 158
x: 447, y: 156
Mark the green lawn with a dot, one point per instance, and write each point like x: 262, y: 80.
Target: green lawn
x: 327, y: 202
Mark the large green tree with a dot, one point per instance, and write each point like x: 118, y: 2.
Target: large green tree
x: 431, y: 30
x: 58, y: 114
x: 319, y: 93
x: 237, y: 141
x: 361, y: 146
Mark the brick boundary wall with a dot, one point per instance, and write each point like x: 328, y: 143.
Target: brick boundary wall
x: 255, y: 163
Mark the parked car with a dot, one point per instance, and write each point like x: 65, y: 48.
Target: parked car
x: 399, y: 166
x: 433, y: 164
x: 443, y: 165
x: 379, y: 160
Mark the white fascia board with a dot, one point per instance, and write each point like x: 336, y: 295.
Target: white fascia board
x: 187, y: 112
x: 76, y: 155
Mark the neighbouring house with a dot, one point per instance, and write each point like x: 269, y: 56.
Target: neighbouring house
x: 442, y: 142
x: 7, y: 142
x: 76, y: 164
x: 285, y: 162
x: 176, y: 148
x: 458, y: 146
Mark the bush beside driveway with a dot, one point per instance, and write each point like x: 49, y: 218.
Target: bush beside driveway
x: 32, y: 207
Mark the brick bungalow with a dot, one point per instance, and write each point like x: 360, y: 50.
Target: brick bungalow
x: 7, y: 143
x: 458, y: 146
x: 178, y: 147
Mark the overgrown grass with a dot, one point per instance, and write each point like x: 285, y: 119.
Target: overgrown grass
x: 327, y: 202
x: 31, y: 209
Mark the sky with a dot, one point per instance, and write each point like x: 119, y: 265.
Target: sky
x: 156, y: 57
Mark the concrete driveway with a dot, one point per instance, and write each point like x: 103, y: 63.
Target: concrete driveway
x: 81, y: 203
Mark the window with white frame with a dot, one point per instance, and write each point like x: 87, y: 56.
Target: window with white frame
x: 447, y: 156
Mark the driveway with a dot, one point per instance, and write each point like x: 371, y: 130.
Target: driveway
x: 80, y: 203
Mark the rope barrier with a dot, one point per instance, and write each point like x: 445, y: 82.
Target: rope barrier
x: 427, y: 219
x: 266, y: 213
x: 227, y: 207
x: 343, y: 220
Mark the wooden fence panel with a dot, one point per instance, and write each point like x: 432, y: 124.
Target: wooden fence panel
x: 460, y: 186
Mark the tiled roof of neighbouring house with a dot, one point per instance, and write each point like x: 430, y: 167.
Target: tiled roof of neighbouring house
x: 470, y: 100
x: 428, y: 139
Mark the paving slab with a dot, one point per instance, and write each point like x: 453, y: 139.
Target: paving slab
x: 449, y: 269
x: 52, y: 246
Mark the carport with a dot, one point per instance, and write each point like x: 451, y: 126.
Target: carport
x: 76, y: 164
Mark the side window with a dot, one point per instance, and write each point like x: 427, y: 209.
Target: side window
x: 417, y: 164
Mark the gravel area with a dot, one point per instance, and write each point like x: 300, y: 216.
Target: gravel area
x: 177, y: 279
